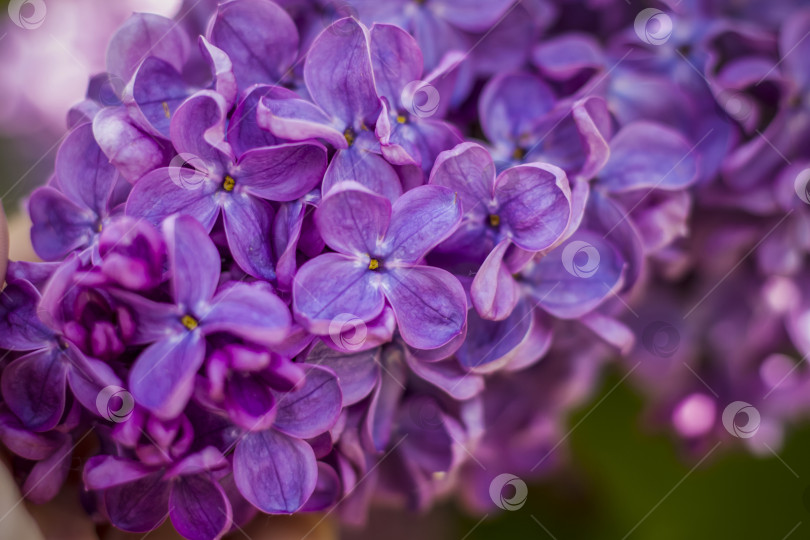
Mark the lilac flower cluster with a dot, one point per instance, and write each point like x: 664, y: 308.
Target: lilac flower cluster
x: 300, y: 256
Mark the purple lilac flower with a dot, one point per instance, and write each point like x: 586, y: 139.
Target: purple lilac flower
x: 378, y: 249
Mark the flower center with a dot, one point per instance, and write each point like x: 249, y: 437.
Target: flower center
x: 519, y: 154
x: 166, y: 110
x: 349, y: 135
x: 374, y: 264
x: 189, y: 322
x: 229, y: 183
x: 494, y: 220
x: 401, y: 119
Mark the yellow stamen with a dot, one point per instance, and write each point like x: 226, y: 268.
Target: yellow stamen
x: 373, y: 264
x: 229, y: 183
x: 349, y: 136
x: 99, y: 227
x: 189, y: 322
x: 519, y: 153
x: 401, y: 119
x: 494, y: 220
x: 166, y: 110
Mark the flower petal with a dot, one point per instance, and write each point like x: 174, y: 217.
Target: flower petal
x: 510, y: 104
x: 339, y: 75
x: 333, y: 285
x: 468, y: 170
x: 162, y: 378
x: 193, y: 260
x: 365, y: 167
x: 281, y: 173
x: 198, y: 129
x: 199, y: 508
x: 84, y: 173
x: 276, y: 473
x: 494, y: 292
x: 157, y: 90
x: 144, y: 35
x: 420, y: 220
x: 132, y: 151
x: 245, y: 130
x: 429, y: 303
x: 396, y: 60
x: 250, y: 311
x: 357, y: 373
x: 138, y: 506
x: 645, y: 155
x: 258, y: 36
x: 296, y: 119
x: 168, y: 191
x: 34, y: 388
x: 59, y: 226
x: 248, y: 222
x: 535, y: 204
x: 312, y: 408
x: 353, y: 220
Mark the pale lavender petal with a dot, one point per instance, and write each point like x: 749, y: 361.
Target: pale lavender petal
x: 473, y: 15
x: 564, y: 56
x: 448, y: 375
x: 245, y: 131
x: 158, y: 89
x: 357, y: 373
x: 511, y: 104
x: 222, y: 68
x: 429, y: 303
x: 198, y: 129
x: 295, y: 119
x: 133, y: 152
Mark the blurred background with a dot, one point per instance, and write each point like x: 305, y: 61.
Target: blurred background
x: 619, y: 478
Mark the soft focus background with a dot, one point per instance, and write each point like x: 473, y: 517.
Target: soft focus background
x: 621, y: 479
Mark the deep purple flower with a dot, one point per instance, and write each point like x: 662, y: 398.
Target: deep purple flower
x: 162, y: 378
x: 379, y: 247
x: 220, y: 181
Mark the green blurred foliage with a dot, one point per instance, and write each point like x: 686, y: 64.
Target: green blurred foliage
x: 625, y: 479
